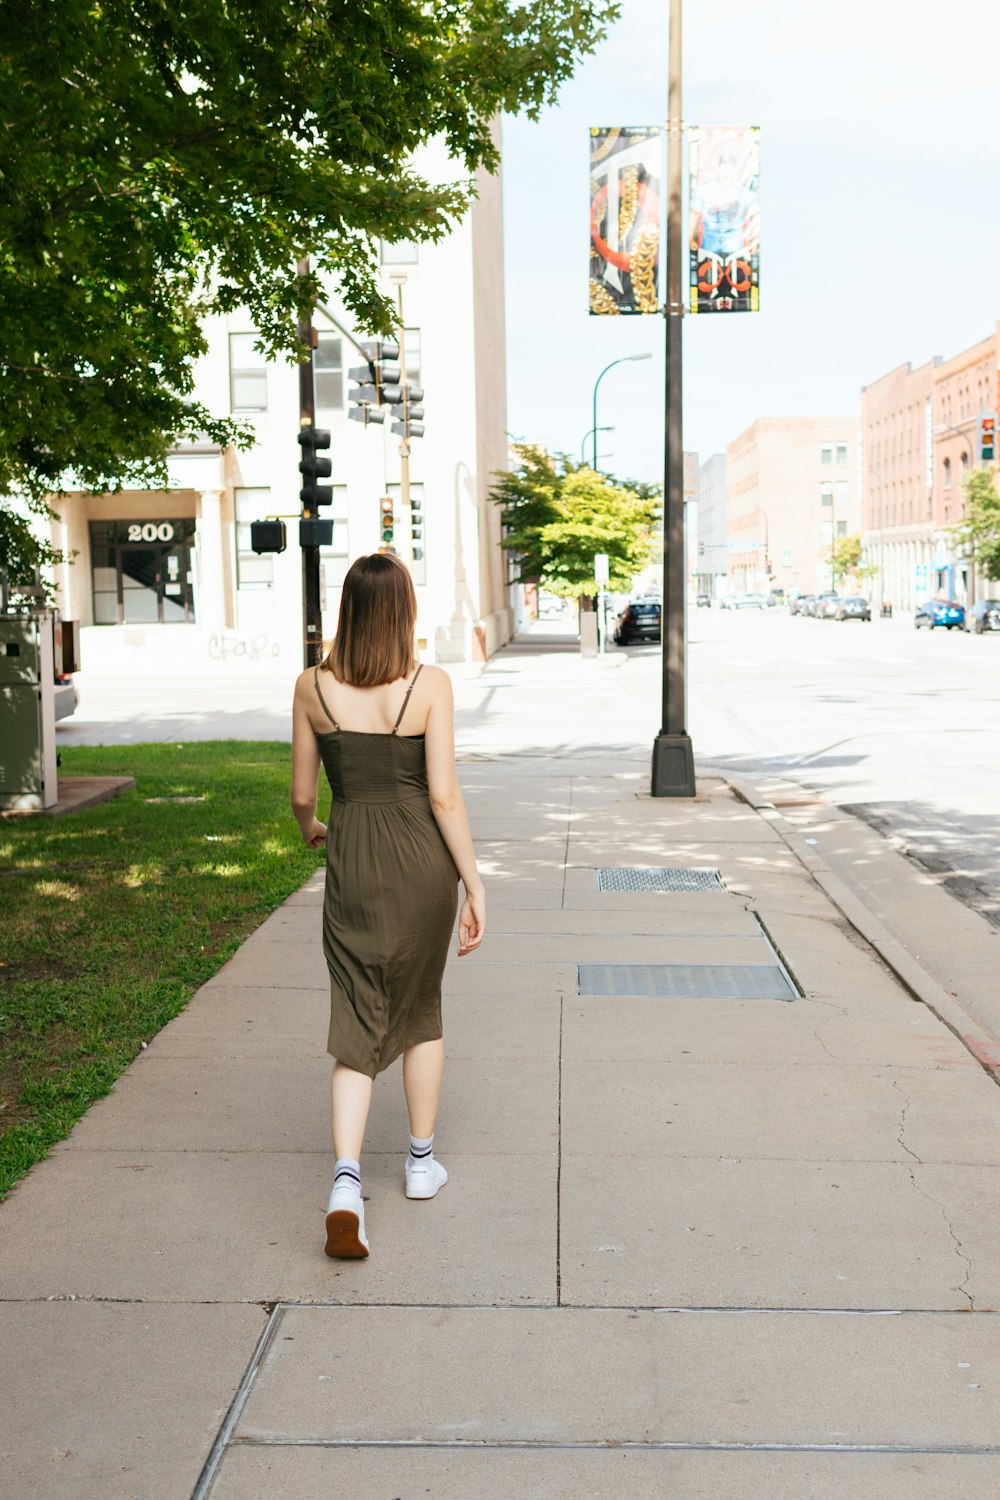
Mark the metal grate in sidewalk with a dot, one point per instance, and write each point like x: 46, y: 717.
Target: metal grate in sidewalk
x: 685, y: 981
x: 662, y: 878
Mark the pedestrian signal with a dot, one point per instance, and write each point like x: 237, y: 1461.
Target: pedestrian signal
x: 987, y: 437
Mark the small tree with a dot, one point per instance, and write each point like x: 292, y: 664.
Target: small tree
x: 844, y: 557
x: 978, y: 532
x: 558, y: 515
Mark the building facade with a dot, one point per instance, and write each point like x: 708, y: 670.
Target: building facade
x: 792, y: 491
x: 897, y: 514
x: 965, y: 387
x: 713, y: 534
x: 172, y: 574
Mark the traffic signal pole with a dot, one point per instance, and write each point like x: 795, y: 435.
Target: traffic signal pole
x: 673, y: 755
x: 404, y: 441
x: 312, y: 614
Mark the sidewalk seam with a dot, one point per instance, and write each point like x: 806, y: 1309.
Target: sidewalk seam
x: 210, y: 1470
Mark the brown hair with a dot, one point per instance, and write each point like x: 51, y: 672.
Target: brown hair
x: 378, y: 617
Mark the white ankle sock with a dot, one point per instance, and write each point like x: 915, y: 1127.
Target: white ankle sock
x: 422, y: 1151
x: 346, y: 1174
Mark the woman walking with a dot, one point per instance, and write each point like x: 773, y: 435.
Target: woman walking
x: 397, y: 843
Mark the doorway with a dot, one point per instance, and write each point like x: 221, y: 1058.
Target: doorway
x: 142, y: 572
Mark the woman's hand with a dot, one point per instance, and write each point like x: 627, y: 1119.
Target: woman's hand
x: 471, y: 923
x: 314, y: 834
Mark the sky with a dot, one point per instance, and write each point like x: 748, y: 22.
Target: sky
x: 880, y: 217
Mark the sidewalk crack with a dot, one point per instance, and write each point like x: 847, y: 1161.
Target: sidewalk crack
x: 966, y: 1260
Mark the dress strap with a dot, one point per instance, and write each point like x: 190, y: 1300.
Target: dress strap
x: 409, y: 690
x: 322, y: 700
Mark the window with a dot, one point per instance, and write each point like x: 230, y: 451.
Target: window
x: 247, y: 374
x: 252, y: 572
x: 412, y: 345
x: 328, y: 365
x: 400, y: 253
x: 841, y: 495
x: 841, y: 453
x: 826, y: 531
x: 826, y: 495
x: 826, y: 453
x: 334, y: 560
x: 841, y: 528
x: 965, y: 459
x: 947, y: 473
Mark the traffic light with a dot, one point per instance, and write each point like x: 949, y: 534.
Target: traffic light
x: 408, y: 415
x: 417, y: 525
x: 268, y: 536
x: 313, y: 533
x: 312, y: 467
x: 388, y: 525
x: 987, y: 437
x: 374, y: 381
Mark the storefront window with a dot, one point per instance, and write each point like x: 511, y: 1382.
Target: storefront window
x: 141, y: 571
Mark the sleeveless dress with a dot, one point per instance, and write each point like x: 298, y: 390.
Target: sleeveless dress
x: 391, y: 895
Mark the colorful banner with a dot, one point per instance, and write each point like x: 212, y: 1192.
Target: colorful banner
x: 725, y: 218
x: 625, y: 170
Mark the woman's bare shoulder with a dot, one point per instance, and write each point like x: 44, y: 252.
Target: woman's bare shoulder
x: 436, y: 679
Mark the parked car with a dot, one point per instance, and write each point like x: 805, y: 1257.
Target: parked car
x: 800, y: 604
x: 827, y: 608
x: 639, y: 621
x: 704, y: 601
x: 817, y: 601
x: 983, y: 616
x: 853, y: 608
x: 933, y: 612
x: 745, y: 601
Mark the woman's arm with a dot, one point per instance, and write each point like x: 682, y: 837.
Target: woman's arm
x: 305, y: 768
x: 448, y: 807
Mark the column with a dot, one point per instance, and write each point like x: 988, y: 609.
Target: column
x: 210, y: 607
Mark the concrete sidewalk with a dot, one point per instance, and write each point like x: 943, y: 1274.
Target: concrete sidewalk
x: 695, y: 1247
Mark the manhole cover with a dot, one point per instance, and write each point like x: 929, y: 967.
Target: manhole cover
x: 686, y: 981
x: 661, y: 879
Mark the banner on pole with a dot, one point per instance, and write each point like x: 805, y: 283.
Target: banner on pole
x: 625, y: 172
x: 725, y: 218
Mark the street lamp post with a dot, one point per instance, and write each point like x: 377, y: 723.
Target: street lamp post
x: 626, y: 359
x: 673, y: 755
x: 583, y: 445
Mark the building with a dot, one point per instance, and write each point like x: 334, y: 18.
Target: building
x: 897, y: 520
x: 170, y: 576
x: 792, y: 489
x: 713, y: 536
x: 965, y: 387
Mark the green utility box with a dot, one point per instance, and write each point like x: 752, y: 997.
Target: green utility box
x: 27, y: 712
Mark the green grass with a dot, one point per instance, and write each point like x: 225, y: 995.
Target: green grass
x: 111, y: 918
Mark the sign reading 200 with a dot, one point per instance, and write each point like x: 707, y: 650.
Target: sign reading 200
x: 151, y: 531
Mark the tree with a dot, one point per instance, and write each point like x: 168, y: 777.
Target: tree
x: 163, y: 162
x: 557, y: 515
x: 844, y: 557
x: 978, y: 532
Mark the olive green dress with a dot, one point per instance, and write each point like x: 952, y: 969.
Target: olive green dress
x: 391, y: 895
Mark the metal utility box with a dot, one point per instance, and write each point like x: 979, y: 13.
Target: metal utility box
x: 27, y: 712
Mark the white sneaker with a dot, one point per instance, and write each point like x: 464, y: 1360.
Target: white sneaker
x: 345, y: 1225
x: 424, y: 1178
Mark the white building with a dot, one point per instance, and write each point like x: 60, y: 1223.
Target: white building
x: 170, y: 576
x: 713, y: 535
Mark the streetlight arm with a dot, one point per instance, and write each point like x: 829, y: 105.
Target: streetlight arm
x: 624, y: 360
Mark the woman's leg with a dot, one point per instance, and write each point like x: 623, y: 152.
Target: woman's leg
x: 351, y: 1093
x: 423, y: 1067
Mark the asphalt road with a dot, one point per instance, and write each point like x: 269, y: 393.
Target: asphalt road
x: 899, y: 726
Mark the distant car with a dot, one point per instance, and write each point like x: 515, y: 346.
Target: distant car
x: 817, y: 601
x: 550, y: 606
x: 934, y: 612
x: 776, y: 597
x: 745, y: 601
x: 826, y: 609
x: 853, y: 608
x: 983, y: 616
x: 704, y: 601
x: 639, y: 621
x: 800, y: 604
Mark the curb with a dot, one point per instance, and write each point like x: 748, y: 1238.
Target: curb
x: 912, y: 975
